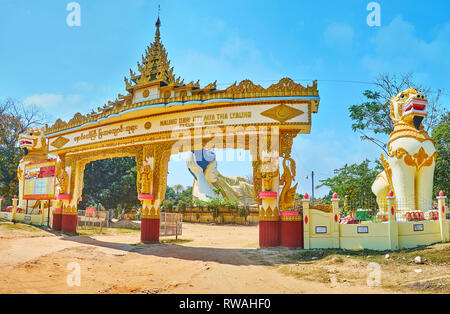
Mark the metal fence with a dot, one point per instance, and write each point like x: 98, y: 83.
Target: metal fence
x: 171, y: 224
x: 89, y: 220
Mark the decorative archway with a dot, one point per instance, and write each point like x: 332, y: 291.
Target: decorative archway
x: 161, y: 115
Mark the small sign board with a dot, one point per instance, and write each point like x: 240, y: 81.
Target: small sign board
x: 418, y: 227
x: 40, y: 180
x: 90, y: 211
x: 27, y: 218
x: 321, y: 229
x: 363, y: 229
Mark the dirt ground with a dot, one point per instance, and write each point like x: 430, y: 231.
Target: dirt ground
x: 210, y: 259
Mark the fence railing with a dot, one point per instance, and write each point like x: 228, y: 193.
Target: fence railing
x: 89, y: 220
x: 171, y: 224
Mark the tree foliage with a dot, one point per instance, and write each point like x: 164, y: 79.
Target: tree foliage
x: 441, y: 135
x: 372, y: 117
x: 15, y: 118
x: 177, y: 197
x: 354, y: 182
x: 112, y: 183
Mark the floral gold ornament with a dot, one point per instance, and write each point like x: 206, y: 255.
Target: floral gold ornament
x: 282, y: 113
x: 287, y: 195
x: 60, y: 142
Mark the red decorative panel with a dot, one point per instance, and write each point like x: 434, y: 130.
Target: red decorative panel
x: 149, y: 230
x: 269, y: 233
x: 291, y: 234
x: 57, y: 220
x: 69, y: 224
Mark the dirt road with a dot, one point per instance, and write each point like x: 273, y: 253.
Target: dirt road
x: 215, y: 261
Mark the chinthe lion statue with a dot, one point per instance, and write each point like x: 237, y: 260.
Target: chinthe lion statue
x: 33, y: 143
x: 409, y: 169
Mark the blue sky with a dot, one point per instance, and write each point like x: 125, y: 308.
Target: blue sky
x: 65, y: 69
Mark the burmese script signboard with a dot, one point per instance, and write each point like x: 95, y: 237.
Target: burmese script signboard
x: 181, y: 121
x: 40, y: 180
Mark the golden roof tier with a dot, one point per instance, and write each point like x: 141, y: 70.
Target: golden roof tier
x: 156, y: 90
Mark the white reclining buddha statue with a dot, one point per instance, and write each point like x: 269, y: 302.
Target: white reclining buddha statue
x: 202, y: 165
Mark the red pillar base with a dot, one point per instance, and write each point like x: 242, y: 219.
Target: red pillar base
x: 149, y: 230
x: 269, y: 233
x: 291, y: 234
x: 57, y: 221
x: 69, y: 224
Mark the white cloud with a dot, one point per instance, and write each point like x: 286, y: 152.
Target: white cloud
x: 44, y: 100
x: 53, y: 101
x: 397, y: 48
x: 339, y: 35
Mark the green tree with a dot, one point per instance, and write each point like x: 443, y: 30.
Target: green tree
x: 15, y: 118
x: 355, y: 182
x: 178, y: 188
x: 441, y: 135
x: 111, y: 182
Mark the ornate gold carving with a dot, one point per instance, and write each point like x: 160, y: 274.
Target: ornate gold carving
x: 418, y: 160
x: 286, y: 84
x: 269, y: 169
x: 146, y: 179
x: 282, y: 113
x: 257, y: 176
x: 322, y: 207
x: 286, y: 141
x: 268, y: 214
x: 403, y: 129
x: 246, y: 86
x: 60, y: 142
x: 287, y: 196
x: 77, y: 164
x: 146, y: 93
x: 150, y: 212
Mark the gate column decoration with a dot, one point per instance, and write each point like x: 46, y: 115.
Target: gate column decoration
x: 152, y: 188
x: 161, y: 115
x: 269, y: 224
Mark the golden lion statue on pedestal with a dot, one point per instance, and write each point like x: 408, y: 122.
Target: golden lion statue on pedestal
x: 409, y: 169
x: 33, y: 143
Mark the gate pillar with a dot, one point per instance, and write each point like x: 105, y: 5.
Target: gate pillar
x: 71, y: 180
x: 69, y: 215
x: 152, y: 183
x: 149, y: 219
x: 269, y: 217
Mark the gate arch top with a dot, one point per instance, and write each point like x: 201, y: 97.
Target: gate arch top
x: 157, y: 104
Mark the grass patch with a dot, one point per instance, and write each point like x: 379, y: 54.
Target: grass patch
x: 18, y: 226
x: 350, y: 267
x: 438, y: 254
x: 105, y: 231
x: 176, y: 241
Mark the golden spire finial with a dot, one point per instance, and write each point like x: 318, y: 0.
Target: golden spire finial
x: 158, y: 24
